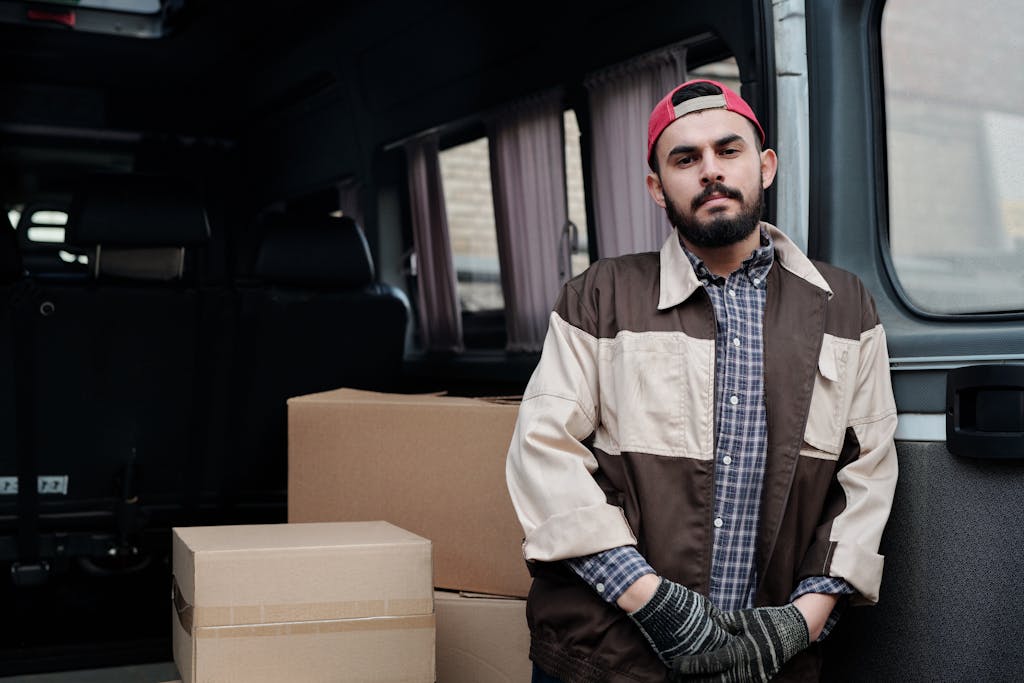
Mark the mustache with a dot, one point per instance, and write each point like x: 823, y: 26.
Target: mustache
x: 716, y: 188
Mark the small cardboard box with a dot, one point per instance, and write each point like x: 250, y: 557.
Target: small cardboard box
x: 434, y: 465
x: 481, y: 638
x: 302, y: 602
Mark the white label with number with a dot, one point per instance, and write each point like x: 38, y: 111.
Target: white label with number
x: 53, y: 484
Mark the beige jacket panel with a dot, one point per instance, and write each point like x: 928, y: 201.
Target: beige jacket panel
x: 869, y: 482
x: 563, y: 511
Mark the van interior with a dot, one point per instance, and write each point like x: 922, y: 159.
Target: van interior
x: 210, y: 207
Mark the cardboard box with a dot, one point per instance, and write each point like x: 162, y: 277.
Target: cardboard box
x: 302, y: 602
x: 481, y: 639
x: 434, y: 465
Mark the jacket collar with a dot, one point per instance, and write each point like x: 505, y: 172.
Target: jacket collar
x: 678, y: 281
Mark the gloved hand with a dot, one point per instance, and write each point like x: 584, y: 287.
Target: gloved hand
x: 762, y: 641
x: 677, y: 621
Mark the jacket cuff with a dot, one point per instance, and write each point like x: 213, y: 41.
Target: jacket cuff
x: 861, y: 568
x: 583, y: 531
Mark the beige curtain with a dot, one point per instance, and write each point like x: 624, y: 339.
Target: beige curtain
x: 437, y: 294
x: 528, y: 180
x: 621, y: 99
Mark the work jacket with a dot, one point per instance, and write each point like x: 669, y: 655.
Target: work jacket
x: 615, y: 445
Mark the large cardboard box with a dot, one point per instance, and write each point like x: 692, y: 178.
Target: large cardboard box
x: 434, y: 465
x: 481, y: 639
x: 302, y: 602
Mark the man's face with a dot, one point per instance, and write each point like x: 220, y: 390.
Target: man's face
x: 711, y: 177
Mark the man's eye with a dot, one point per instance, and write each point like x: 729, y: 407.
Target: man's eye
x: 730, y: 151
x: 683, y: 161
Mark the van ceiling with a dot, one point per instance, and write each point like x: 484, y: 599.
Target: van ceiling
x: 230, y: 61
x: 362, y: 74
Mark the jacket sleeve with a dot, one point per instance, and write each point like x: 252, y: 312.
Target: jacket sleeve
x: 549, y: 471
x: 861, y: 496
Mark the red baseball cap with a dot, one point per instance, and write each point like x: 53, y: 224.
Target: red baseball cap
x: 665, y: 112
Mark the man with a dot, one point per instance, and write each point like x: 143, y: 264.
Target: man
x: 704, y: 462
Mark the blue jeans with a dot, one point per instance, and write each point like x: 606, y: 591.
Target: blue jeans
x: 541, y: 677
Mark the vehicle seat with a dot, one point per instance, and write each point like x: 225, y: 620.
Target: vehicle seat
x: 114, y: 358
x: 316, y: 321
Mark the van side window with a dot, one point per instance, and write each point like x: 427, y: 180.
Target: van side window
x: 954, y: 112
x: 549, y: 206
x: 47, y: 226
x: 42, y: 241
x: 466, y: 179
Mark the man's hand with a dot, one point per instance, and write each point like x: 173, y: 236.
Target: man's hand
x: 677, y: 621
x: 762, y: 641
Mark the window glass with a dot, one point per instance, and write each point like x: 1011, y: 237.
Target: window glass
x: 466, y: 177
x: 46, y: 226
x: 726, y: 72
x: 954, y: 106
x: 574, y: 192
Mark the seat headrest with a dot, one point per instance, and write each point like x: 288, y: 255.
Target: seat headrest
x: 131, y: 210
x: 315, y: 252
x: 10, y: 259
x: 139, y: 263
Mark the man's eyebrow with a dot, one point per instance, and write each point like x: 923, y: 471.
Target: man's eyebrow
x: 690, y: 149
x: 728, y: 140
x: 681, y: 149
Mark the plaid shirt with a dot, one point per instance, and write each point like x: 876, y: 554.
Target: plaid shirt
x: 740, y: 448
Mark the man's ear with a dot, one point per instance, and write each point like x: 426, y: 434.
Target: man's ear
x: 769, y: 165
x: 654, y: 187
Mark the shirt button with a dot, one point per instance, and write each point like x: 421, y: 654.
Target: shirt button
x: 736, y: 341
x: 727, y: 460
x: 599, y: 587
x: 732, y: 292
x: 757, y: 281
x: 718, y: 522
x: 734, y: 400
x: 704, y: 282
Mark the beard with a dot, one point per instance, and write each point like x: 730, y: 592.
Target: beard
x: 719, y: 231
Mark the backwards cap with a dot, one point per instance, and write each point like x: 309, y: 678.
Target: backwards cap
x: 665, y: 112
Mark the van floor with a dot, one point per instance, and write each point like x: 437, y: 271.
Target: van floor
x: 141, y: 673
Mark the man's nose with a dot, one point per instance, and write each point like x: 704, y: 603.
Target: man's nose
x: 710, y: 171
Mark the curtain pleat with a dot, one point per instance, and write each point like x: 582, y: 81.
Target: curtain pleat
x: 528, y: 179
x: 620, y: 100
x: 437, y: 294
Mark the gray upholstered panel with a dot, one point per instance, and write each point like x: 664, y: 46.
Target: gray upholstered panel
x: 952, y: 601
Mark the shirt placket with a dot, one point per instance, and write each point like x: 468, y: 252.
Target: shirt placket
x: 732, y: 403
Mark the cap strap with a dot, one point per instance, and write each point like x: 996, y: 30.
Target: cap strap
x: 699, y: 104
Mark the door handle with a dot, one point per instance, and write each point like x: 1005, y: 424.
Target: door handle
x: 985, y: 411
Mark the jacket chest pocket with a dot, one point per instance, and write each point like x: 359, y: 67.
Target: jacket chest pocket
x: 651, y: 386
x: 830, y: 402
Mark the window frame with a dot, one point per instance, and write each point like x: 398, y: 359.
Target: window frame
x: 881, y: 175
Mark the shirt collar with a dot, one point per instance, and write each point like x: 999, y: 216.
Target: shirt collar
x: 678, y: 279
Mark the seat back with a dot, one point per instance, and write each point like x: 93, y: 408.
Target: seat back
x: 316, y: 321
x: 114, y: 358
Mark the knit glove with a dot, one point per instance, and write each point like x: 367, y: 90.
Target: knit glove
x: 677, y: 621
x: 762, y: 641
